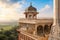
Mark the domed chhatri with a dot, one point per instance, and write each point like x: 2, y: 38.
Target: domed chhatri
x: 31, y: 8
x: 31, y: 12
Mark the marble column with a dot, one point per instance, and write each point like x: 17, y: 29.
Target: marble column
x: 59, y: 12
x: 19, y: 36
x: 54, y: 35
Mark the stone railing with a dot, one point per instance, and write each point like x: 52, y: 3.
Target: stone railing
x: 34, y: 37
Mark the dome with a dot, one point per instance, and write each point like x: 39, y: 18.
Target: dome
x: 31, y: 8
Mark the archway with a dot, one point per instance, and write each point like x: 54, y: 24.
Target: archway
x: 47, y: 29
x: 40, y: 30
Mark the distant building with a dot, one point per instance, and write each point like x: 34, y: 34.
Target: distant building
x: 32, y: 28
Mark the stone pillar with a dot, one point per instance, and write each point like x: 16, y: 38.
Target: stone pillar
x: 19, y: 37
x: 35, y: 32
x: 55, y: 10
x: 59, y: 12
x: 55, y: 28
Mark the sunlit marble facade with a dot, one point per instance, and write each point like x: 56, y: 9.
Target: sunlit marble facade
x: 32, y: 28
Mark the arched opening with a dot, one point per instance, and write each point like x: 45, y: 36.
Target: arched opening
x: 40, y: 30
x: 46, y: 29
x: 30, y: 16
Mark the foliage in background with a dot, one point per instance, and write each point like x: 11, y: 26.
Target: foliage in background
x: 10, y: 34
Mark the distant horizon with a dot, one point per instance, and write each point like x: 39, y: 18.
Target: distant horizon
x: 12, y: 10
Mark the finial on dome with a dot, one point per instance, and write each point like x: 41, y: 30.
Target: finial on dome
x: 30, y: 3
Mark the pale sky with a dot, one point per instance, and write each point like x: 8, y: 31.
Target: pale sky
x: 14, y: 9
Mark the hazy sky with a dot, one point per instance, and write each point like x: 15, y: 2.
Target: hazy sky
x: 11, y: 10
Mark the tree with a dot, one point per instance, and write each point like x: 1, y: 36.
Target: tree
x: 3, y: 37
